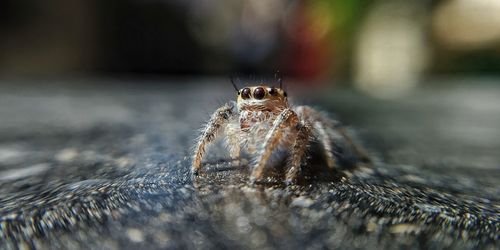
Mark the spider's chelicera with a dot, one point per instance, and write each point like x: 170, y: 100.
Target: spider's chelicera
x: 262, y: 122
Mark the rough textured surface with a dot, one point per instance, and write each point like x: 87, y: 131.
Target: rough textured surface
x: 103, y: 165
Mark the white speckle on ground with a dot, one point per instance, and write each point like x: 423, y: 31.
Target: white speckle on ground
x: 9, y: 155
x: 14, y: 174
x: 66, y: 155
x: 301, y: 202
x: 135, y: 235
x: 404, y: 228
x: 243, y: 224
x: 428, y: 208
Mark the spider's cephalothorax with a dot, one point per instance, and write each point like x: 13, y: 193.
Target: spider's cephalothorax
x: 263, y: 122
x: 260, y: 105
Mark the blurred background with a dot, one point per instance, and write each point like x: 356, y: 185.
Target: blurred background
x: 101, y: 102
x: 382, y: 47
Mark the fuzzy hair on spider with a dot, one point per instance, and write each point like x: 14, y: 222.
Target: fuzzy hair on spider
x: 261, y: 122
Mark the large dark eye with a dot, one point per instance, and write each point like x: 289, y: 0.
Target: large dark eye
x: 245, y: 93
x: 259, y: 93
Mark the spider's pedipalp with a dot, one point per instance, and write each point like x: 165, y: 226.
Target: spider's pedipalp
x: 286, y: 119
x: 218, y: 120
x: 233, y: 141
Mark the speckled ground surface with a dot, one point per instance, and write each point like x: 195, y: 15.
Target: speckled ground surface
x: 104, y: 165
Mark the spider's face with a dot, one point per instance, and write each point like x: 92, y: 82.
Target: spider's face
x: 270, y: 97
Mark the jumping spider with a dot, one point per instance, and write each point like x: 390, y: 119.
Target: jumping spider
x: 264, y: 122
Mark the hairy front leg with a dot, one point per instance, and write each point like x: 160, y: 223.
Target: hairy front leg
x: 286, y: 119
x: 298, y: 152
x: 218, y: 120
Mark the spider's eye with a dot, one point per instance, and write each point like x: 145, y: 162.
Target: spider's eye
x: 284, y: 93
x: 259, y: 93
x: 273, y: 91
x: 245, y: 93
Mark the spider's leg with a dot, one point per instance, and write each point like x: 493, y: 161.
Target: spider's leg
x: 360, y: 151
x: 326, y: 129
x: 218, y: 120
x: 286, y: 119
x: 326, y: 143
x: 320, y: 127
x: 298, y: 151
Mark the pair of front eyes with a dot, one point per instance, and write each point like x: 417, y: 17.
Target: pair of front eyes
x: 258, y: 93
